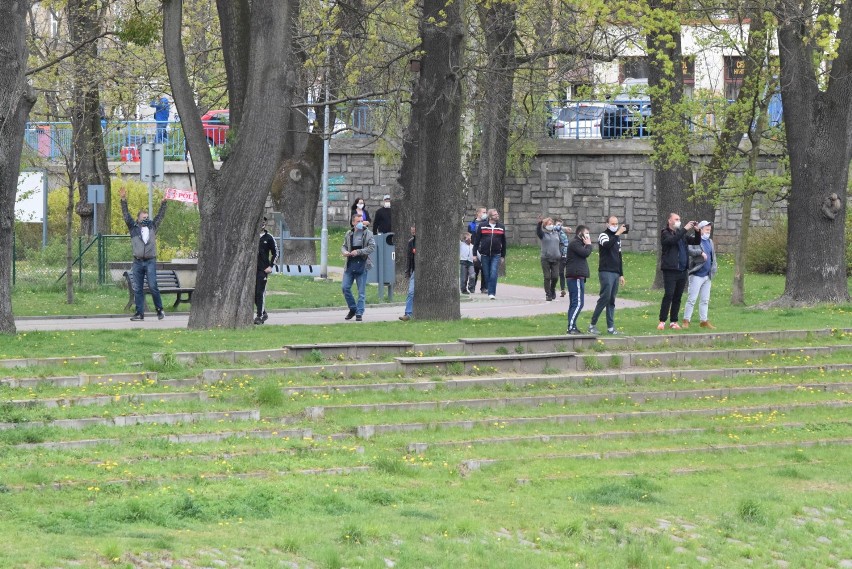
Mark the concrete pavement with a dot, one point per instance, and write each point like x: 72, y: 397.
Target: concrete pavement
x: 512, y: 301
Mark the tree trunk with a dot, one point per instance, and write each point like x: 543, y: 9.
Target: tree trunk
x: 231, y: 201
x: 672, y: 173
x: 410, y: 178
x: 819, y: 141
x: 437, y: 111
x: 498, y: 25
x: 296, y: 190
x: 16, y: 100
x: 741, y: 251
x: 89, y: 156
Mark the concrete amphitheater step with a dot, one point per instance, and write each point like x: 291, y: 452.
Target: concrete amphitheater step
x: 471, y: 465
x: 52, y: 361
x: 320, y: 412
x: 188, y: 438
x: 371, y: 430
x: 83, y: 379
x: 580, y: 377
x: 133, y: 420
x: 420, y: 448
x: 100, y: 400
x: 643, y: 359
x: 519, y: 344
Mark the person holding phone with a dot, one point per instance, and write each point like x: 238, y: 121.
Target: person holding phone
x: 674, y: 262
x: 610, y: 273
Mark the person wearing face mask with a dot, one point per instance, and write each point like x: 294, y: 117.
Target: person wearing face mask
x: 357, y: 246
x: 143, y: 241
x: 577, y: 271
x: 673, y: 262
x: 489, y: 245
x: 360, y: 207
x: 481, y: 216
x: 267, y: 255
x: 382, y: 219
x: 551, y: 255
x: 610, y: 273
x: 702, y: 269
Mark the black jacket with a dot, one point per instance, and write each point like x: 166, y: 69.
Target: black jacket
x: 382, y: 221
x: 674, y: 256
x: 267, y: 251
x: 576, y: 263
x: 609, y: 248
x: 490, y: 241
x: 412, y: 250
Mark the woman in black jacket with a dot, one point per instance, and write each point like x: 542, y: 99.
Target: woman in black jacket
x: 576, y: 273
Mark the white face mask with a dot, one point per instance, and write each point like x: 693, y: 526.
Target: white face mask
x: 549, y: 227
x: 677, y: 225
x: 387, y: 204
x: 613, y: 228
x: 705, y: 236
x: 483, y: 217
x: 585, y: 236
x: 360, y: 206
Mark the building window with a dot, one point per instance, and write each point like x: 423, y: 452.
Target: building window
x: 633, y: 68
x: 734, y: 75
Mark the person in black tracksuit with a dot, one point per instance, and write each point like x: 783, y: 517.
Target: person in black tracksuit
x: 673, y: 262
x: 267, y: 255
x: 576, y: 273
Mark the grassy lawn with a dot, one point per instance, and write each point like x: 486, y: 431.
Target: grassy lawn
x: 642, y: 475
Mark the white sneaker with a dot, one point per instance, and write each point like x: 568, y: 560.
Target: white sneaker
x: 490, y: 297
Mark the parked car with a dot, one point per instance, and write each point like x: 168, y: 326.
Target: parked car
x: 627, y: 117
x: 579, y: 120
x: 216, y: 124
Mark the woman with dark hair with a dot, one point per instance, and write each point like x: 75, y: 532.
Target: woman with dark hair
x: 360, y: 208
x: 576, y: 273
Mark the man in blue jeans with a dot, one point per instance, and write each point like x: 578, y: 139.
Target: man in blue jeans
x: 610, y: 273
x: 409, y: 272
x: 489, y: 245
x: 357, y: 246
x: 143, y: 241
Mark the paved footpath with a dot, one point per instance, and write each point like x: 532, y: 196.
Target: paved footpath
x: 512, y: 301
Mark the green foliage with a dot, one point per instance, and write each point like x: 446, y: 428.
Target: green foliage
x: 270, y: 395
x: 140, y: 29
x: 636, y: 489
x: 767, y: 249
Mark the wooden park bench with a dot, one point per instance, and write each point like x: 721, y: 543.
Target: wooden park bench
x: 168, y: 283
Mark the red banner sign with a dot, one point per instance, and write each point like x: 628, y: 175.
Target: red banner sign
x: 186, y: 196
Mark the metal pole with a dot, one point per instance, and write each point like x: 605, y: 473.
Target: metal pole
x: 151, y: 180
x: 95, y: 217
x: 44, y: 219
x: 325, y: 152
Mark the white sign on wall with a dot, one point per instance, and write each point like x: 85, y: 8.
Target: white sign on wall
x: 29, y: 199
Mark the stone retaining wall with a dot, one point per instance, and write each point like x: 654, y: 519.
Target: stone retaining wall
x: 580, y: 181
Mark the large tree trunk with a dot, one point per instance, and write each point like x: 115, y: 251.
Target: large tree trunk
x: 670, y: 136
x: 89, y: 156
x: 296, y: 190
x: 498, y: 25
x: 819, y: 141
x: 437, y: 111
x: 231, y: 201
x: 16, y: 100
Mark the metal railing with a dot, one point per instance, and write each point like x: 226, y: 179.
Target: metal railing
x: 53, y: 140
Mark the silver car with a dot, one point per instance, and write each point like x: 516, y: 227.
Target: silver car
x: 579, y: 120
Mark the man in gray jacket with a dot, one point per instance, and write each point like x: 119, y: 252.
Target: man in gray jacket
x: 143, y: 240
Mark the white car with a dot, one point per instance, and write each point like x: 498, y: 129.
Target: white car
x: 578, y: 120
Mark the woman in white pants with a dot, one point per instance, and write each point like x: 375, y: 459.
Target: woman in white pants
x: 702, y: 269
